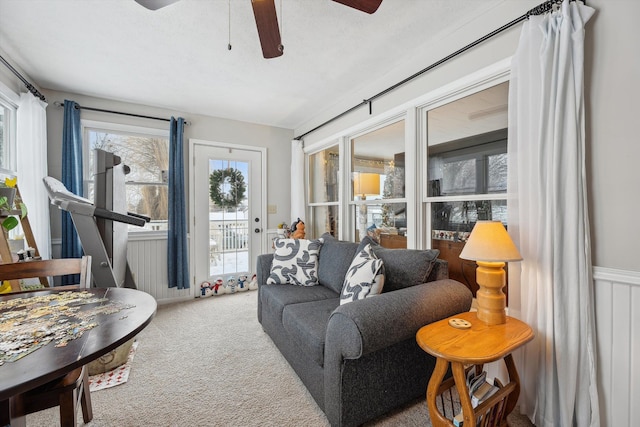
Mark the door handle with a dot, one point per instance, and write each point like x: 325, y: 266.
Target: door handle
x: 257, y: 230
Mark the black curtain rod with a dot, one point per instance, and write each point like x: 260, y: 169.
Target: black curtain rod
x: 101, y: 110
x: 538, y: 10
x: 35, y: 92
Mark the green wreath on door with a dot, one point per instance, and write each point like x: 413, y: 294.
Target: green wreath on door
x: 237, y: 187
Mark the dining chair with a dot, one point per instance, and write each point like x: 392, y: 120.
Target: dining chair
x: 73, y: 387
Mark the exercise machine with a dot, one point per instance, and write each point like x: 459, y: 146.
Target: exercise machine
x: 102, y: 227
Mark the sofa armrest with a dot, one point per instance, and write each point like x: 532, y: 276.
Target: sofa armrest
x: 370, y: 327
x: 367, y: 325
x: 263, y: 269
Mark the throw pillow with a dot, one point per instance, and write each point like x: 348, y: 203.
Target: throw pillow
x: 364, y: 277
x: 406, y: 267
x: 295, y: 262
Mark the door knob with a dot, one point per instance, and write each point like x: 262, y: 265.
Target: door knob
x: 256, y: 230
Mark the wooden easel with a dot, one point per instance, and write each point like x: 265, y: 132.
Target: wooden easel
x: 5, y: 251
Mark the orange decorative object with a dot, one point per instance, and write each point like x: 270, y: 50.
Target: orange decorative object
x: 298, y: 229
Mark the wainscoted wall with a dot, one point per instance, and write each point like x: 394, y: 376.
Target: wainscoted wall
x: 617, y: 295
x: 147, y: 258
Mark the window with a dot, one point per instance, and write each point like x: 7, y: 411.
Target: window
x: 7, y: 136
x: 378, y: 182
x: 8, y: 144
x: 466, y: 172
x: 324, y: 167
x: 480, y: 168
x: 146, y: 153
x: 467, y: 162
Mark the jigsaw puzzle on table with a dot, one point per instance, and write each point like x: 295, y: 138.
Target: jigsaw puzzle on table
x: 26, y: 324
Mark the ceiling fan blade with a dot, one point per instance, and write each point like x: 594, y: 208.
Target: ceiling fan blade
x: 267, y: 24
x: 155, y: 4
x: 368, y: 6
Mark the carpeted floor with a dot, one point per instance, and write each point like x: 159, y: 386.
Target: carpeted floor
x: 207, y: 362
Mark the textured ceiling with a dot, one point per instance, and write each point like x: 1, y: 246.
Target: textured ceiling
x: 177, y: 57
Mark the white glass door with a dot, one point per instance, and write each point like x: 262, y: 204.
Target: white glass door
x: 227, y: 227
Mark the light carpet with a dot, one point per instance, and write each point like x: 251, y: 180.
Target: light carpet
x: 207, y: 362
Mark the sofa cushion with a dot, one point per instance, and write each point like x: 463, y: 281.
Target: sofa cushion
x: 306, y: 324
x: 405, y: 267
x: 334, y: 260
x: 275, y: 298
x: 364, y: 277
x: 295, y: 262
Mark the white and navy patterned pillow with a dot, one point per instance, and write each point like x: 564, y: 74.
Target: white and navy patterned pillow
x: 295, y: 262
x: 364, y: 278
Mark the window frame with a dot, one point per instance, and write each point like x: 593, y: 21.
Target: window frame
x: 101, y: 126
x: 354, y: 204
x: 480, y: 156
x: 328, y: 204
x: 9, y: 101
x: 476, y: 82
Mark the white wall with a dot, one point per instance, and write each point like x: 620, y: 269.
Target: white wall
x: 617, y: 320
x: 8, y: 79
x: 612, y: 93
x: 276, y: 140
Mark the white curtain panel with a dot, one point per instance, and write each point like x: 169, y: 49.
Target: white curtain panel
x: 298, y: 203
x: 31, y: 137
x: 548, y: 219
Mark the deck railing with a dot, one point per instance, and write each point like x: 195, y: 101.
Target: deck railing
x: 227, y: 236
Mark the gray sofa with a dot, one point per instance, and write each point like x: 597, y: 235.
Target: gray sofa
x: 360, y: 360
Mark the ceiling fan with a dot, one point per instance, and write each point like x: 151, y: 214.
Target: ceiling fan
x: 267, y: 20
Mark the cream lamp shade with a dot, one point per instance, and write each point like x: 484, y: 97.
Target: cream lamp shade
x: 490, y: 246
x: 366, y: 184
x: 490, y: 242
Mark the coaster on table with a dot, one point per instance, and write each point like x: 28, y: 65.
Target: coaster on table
x: 459, y: 323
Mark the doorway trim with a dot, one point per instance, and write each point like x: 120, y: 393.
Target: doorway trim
x: 263, y: 188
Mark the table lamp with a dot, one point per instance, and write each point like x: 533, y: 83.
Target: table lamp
x: 366, y: 184
x: 490, y: 246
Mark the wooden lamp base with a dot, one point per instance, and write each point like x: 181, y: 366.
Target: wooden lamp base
x: 490, y: 298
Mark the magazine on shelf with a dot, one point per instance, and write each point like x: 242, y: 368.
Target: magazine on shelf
x: 458, y: 420
x: 479, y: 390
x: 482, y: 393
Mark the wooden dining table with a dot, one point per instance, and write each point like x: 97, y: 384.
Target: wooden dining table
x: 129, y: 312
